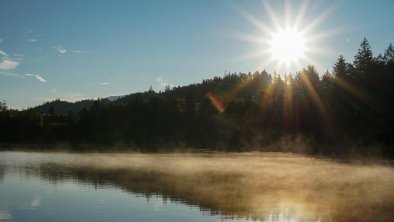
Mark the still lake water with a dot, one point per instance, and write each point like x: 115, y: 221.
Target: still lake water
x: 191, y: 187
x: 27, y: 195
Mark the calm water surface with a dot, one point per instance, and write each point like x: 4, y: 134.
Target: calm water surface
x: 28, y: 194
x: 192, y: 187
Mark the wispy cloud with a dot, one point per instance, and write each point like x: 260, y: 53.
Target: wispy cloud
x: 16, y: 75
x: 18, y: 55
x: 2, y: 53
x: 24, y: 31
x: 9, y: 74
x: 38, y: 77
x: 29, y: 35
x: 60, y: 49
x: 6, y: 62
x: 78, y: 51
x: 162, y: 82
x: 104, y: 83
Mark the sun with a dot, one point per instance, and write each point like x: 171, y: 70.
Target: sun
x: 287, y: 46
x: 289, y: 40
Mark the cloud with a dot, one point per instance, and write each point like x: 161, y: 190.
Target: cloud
x: 38, y: 77
x: 32, y: 40
x: 60, y: 49
x: 24, y: 31
x: 18, y: 55
x: 9, y: 74
x: 6, y: 62
x: 78, y: 51
x: 2, y: 53
x: 162, y: 82
x: 104, y: 83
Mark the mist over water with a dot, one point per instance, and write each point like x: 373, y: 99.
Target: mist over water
x: 239, y: 186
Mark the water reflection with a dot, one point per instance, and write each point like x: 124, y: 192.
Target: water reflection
x: 5, y: 216
x: 1, y: 172
x: 236, y: 187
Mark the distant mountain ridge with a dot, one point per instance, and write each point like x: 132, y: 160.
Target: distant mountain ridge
x: 63, y: 107
x: 114, y: 98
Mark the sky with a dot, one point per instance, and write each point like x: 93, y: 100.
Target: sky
x: 76, y: 50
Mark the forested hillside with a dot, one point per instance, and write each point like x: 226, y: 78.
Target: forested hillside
x: 347, y: 110
x: 63, y: 107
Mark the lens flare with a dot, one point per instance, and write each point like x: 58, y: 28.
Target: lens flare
x: 216, y: 102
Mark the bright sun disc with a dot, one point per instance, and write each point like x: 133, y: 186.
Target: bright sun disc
x: 288, y: 46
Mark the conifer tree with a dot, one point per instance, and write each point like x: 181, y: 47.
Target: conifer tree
x: 389, y: 55
x: 364, y: 57
x: 340, y: 68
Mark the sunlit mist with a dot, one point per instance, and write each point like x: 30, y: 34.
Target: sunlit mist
x: 242, y: 186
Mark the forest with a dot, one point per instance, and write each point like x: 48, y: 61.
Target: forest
x: 346, y: 111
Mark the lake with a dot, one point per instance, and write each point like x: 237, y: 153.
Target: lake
x: 191, y: 187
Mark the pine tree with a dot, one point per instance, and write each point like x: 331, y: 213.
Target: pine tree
x: 364, y: 57
x: 389, y: 55
x: 340, y: 68
x: 3, y: 106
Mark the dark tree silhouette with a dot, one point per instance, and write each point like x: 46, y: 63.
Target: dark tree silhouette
x: 347, y: 111
x: 364, y: 58
x: 340, y: 68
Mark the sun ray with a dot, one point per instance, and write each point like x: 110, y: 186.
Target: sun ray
x: 359, y: 94
x: 287, y: 103
x: 316, y: 21
x: 315, y: 98
x: 323, y: 35
x: 272, y: 16
x: 257, y: 23
x: 253, y: 55
x: 251, y: 38
x: 288, y: 13
x: 301, y: 13
x: 267, y: 93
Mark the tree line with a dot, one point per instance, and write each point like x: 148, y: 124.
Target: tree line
x: 348, y: 110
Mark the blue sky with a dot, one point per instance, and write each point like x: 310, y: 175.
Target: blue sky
x: 75, y: 50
